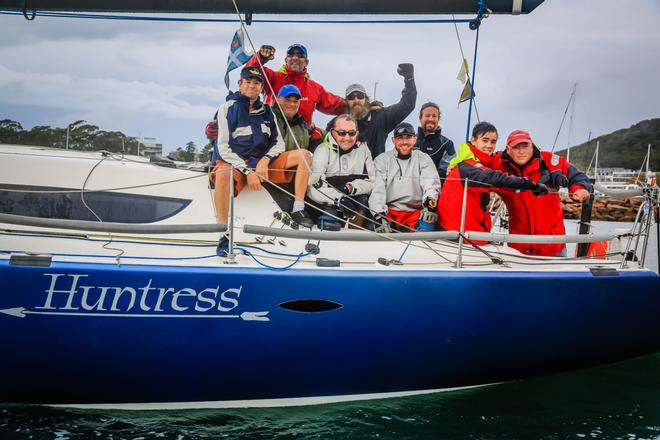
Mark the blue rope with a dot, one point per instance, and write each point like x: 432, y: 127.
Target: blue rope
x: 9, y: 11
x: 267, y: 266
x: 269, y: 252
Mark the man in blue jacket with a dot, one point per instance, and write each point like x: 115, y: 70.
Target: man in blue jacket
x: 431, y: 141
x: 248, y: 141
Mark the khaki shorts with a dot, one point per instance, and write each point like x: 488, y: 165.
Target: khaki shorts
x: 276, y: 172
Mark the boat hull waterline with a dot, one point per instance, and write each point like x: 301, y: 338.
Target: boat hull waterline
x: 104, y: 334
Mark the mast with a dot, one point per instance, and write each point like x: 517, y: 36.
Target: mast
x: 596, y: 164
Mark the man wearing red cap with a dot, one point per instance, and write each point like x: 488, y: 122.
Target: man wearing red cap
x: 294, y: 71
x: 474, y: 166
x: 539, y: 215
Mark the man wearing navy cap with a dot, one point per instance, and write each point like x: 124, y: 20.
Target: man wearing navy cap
x: 313, y: 95
x: 248, y: 141
x: 407, y: 185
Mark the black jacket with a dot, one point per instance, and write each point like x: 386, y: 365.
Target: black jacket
x: 378, y: 124
x: 440, y: 148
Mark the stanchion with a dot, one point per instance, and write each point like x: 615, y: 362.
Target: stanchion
x: 585, y: 225
x: 459, y: 257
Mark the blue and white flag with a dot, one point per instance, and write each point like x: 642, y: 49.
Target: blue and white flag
x: 237, y: 54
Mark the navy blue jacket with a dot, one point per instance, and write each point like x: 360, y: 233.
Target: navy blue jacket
x: 246, y: 136
x: 440, y: 148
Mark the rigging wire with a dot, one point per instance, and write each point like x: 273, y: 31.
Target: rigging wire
x: 467, y: 71
x: 568, y: 104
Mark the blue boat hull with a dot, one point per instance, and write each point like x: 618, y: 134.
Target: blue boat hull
x: 77, y: 333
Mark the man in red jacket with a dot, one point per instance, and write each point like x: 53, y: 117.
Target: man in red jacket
x: 539, y: 215
x: 294, y: 71
x: 474, y: 163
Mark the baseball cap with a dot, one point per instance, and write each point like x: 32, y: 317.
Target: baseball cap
x: 298, y: 46
x: 404, y: 129
x: 518, y: 136
x: 252, y: 72
x: 355, y: 88
x: 289, y: 90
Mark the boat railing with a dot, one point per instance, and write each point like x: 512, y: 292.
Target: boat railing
x: 124, y: 228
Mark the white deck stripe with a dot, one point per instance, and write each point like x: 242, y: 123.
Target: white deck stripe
x: 260, y: 403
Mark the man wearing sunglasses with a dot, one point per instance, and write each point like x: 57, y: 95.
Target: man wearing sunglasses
x: 375, y: 123
x: 342, y: 171
x: 294, y: 71
x: 407, y: 185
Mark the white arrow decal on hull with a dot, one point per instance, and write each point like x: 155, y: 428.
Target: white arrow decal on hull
x: 20, y: 312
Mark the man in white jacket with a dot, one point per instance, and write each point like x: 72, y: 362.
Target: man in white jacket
x: 407, y: 185
x: 342, y: 174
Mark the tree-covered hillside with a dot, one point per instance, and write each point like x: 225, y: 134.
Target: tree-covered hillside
x: 86, y: 137
x: 624, y: 148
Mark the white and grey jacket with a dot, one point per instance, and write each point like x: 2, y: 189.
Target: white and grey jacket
x: 330, y: 161
x: 403, y: 184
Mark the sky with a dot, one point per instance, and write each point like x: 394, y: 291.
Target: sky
x: 165, y: 79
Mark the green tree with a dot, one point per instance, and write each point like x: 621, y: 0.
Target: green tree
x: 191, y: 151
x: 206, y: 151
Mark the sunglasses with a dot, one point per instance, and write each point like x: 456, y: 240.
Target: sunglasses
x: 296, y: 53
x: 342, y: 133
x: 356, y: 95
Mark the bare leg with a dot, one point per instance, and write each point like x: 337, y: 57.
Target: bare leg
x: 302, y: 160
x: 221, y: 194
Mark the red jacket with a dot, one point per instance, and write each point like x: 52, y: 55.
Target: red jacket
x: 473, y: 165
x: 314, y: 95
x: 541, y: 215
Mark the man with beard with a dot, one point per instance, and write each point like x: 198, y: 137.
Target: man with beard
x: 294, y: 71
x: 431, y: 141
x: 374, y: 125
x: 342, y: 171
x: 407, y: 185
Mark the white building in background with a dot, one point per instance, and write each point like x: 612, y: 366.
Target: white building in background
x: 150, y: 147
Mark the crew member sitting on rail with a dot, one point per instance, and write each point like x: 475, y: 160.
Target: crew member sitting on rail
x: 294, y: 71
x: 342, y: 171
x: 376, y: 122
x: 407, y: 186
x: 473, y: 163
x: 542, y: 215
x: 249, y: 142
